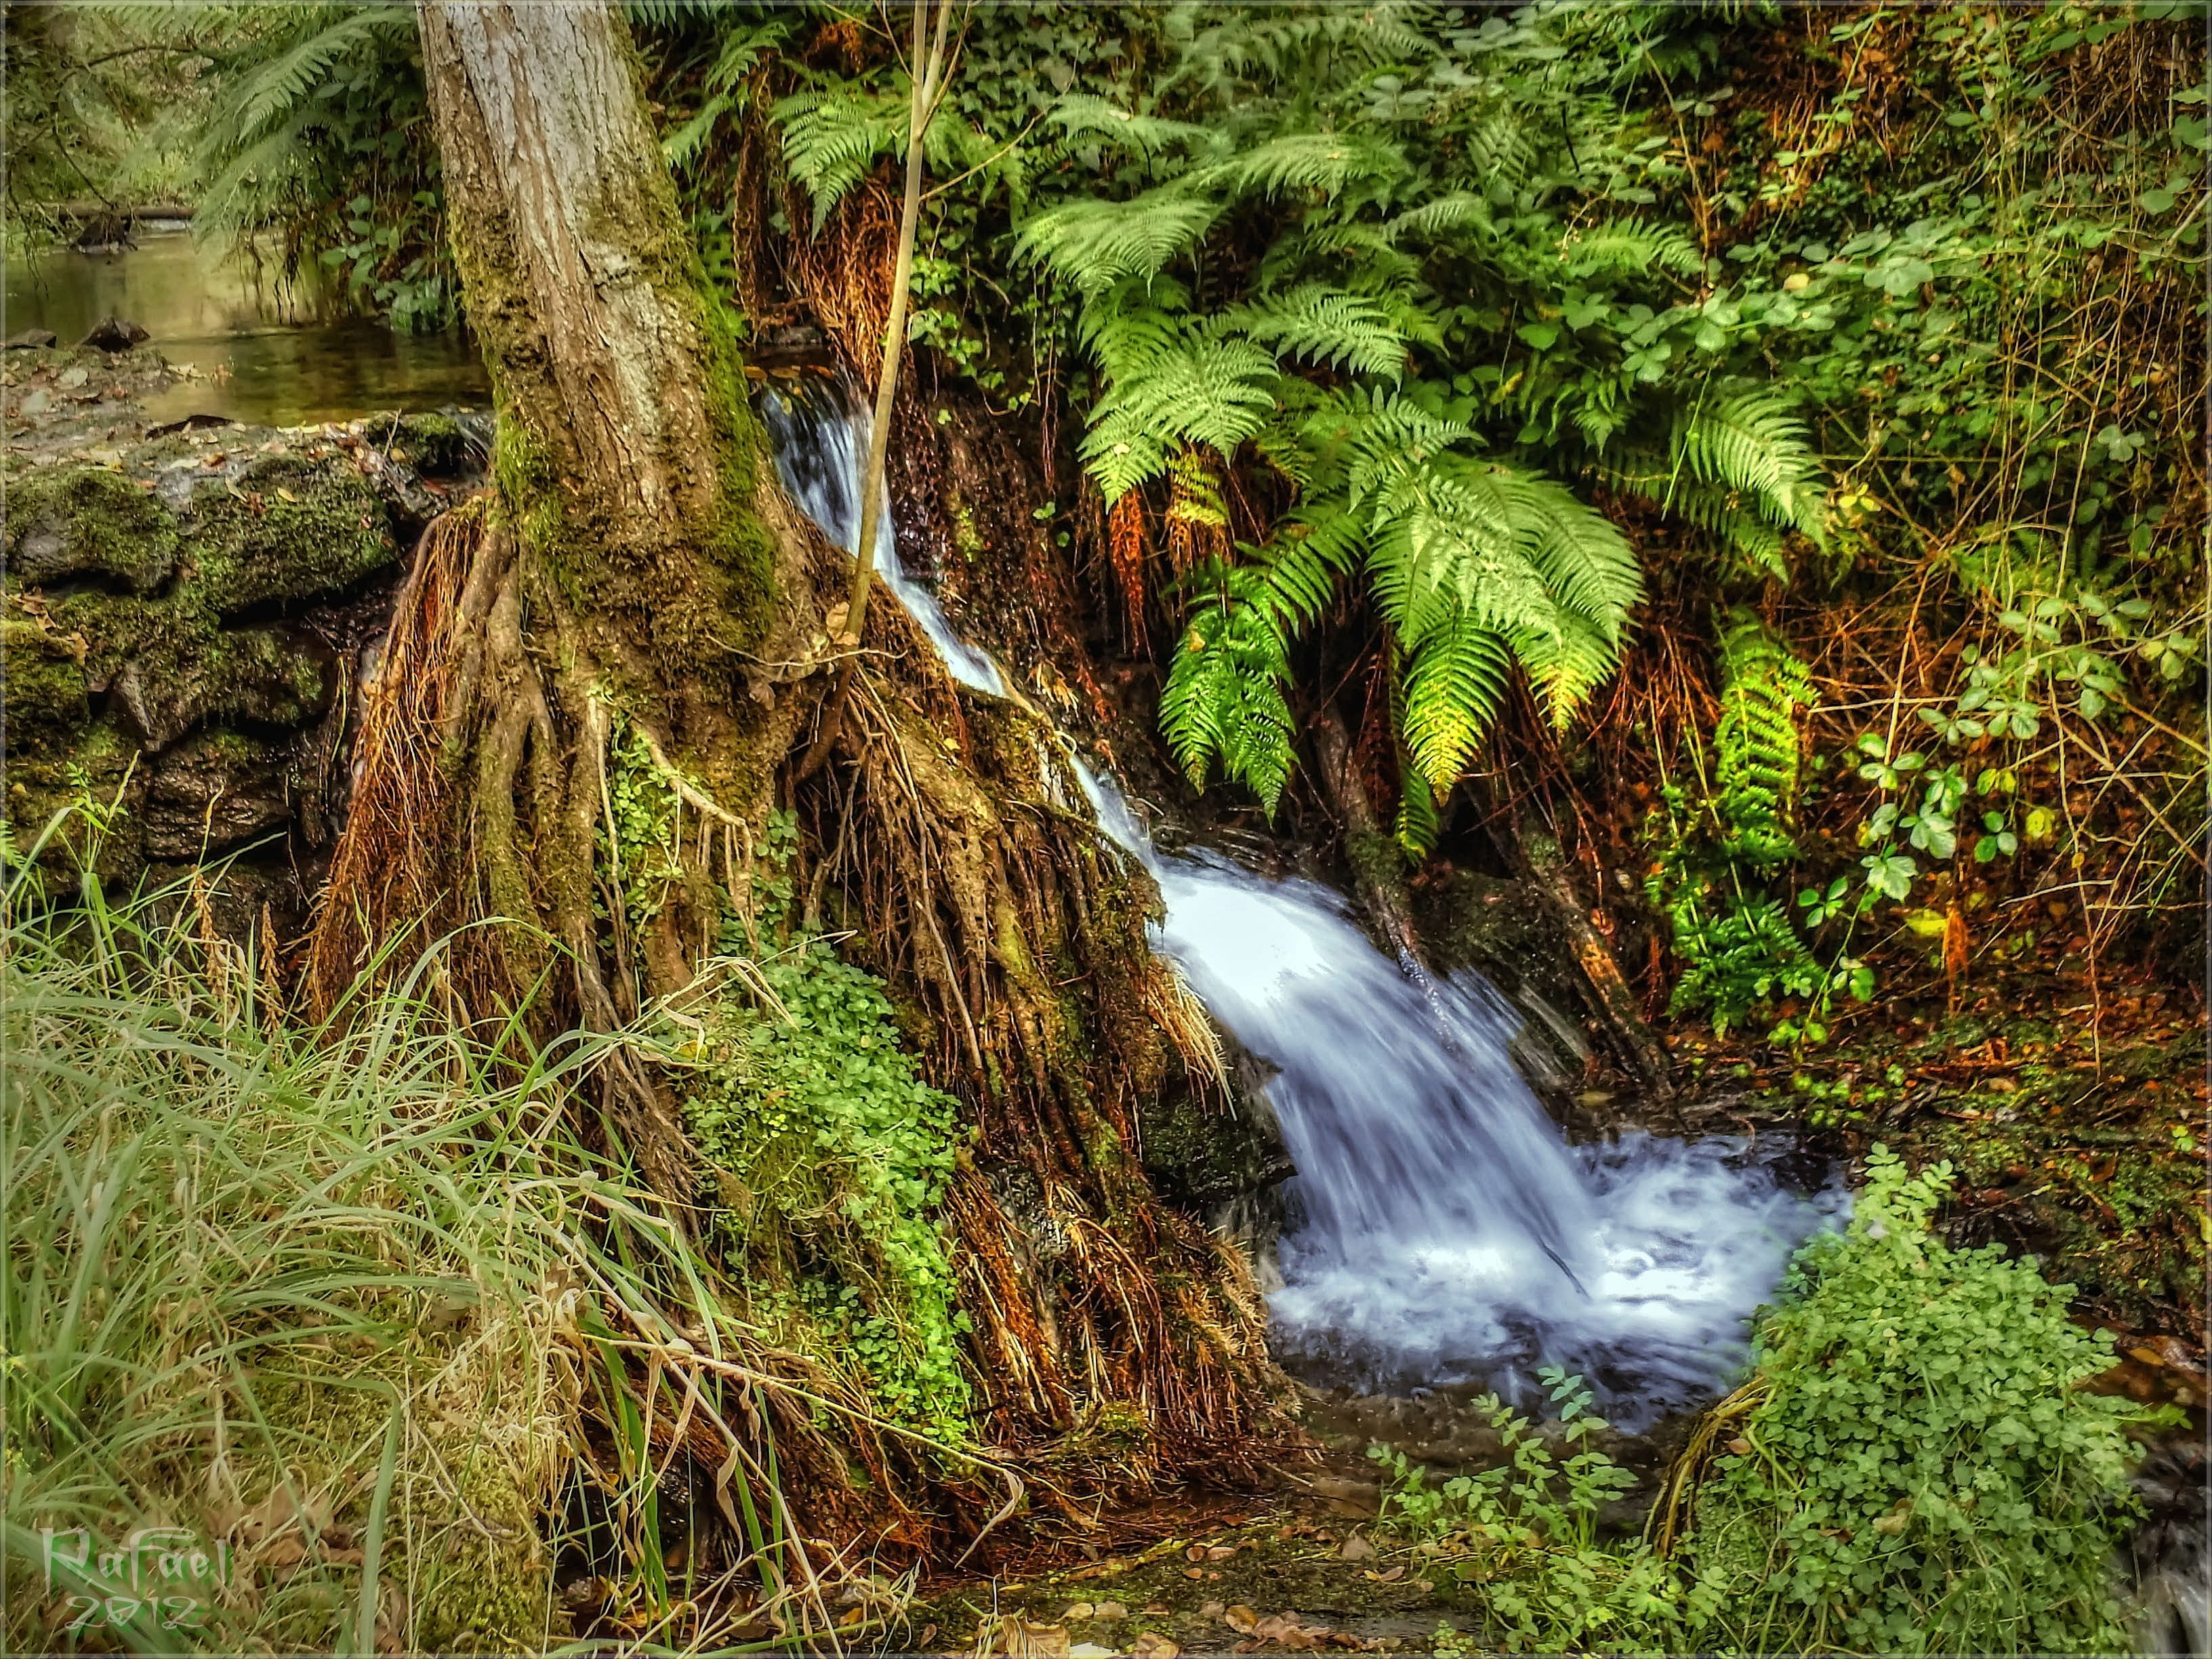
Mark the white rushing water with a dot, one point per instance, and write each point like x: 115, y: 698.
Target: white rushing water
x: 1440, y: 1230
x: 820, y: 452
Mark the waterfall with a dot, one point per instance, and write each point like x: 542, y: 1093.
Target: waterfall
x: 1441, y: 1231
x: 819, y: 454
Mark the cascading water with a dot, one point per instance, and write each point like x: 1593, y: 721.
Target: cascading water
x: 1443, y: 1231
x: 820, y: 452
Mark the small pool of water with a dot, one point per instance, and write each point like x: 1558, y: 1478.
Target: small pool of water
x: 263, y: 353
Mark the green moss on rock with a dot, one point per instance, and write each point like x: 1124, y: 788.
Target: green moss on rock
x: 292, y: 528
x: 44, y: 684
x: 88, y: 522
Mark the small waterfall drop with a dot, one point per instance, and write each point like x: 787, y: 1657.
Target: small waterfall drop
x: 820, y: 453
x: 1442, y: 1229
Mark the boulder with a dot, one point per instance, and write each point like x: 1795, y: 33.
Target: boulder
x: 114, y: 334
x: 212, y: 793
x: 88, y: 522
x: 30, y: 339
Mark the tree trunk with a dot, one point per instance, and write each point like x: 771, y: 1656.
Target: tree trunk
x: 615, y: 595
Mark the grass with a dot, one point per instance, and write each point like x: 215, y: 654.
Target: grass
x: 348, y: 1308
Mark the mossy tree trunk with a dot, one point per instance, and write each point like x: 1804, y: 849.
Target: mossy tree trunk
x: 619, y: 588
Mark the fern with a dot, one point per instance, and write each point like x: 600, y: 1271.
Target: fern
x: 832, y: 135
x: 1324, y: 325
x: 1095, y: 244
x: 1746, y: 439
x: 1079, y: 115
x: 1223, y: 698
x: 1629, y: 247
x: 1324, y: 163
x: 1755, y: 742
x: 1746, y: 954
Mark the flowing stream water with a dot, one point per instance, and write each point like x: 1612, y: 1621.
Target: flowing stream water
x: 1440, y: 1230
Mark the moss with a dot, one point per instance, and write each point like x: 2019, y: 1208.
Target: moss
x: 44, y: 686
x: 293, y: 528
x: 76, y: 521
x: 435, y: 445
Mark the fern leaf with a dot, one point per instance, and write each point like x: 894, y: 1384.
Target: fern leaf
x: 832, y: 135
x: 1325, y: 163
x: 1079, y: 114
x: 1628, y: 248
x: 1763, y: 687
x: 1095, y: 244
x: 1454, y: 677
x: 1223, y: 702
x: 1324, y: 325
x: 1745, y: 439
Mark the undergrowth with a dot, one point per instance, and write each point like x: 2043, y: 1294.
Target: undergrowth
x: 1915, y: 1467
x: 327, y: 1305
x: 831, y: 1157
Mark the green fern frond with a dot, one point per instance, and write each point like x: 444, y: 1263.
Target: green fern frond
x: 1304, y: 561
x: 1326, y: 163
x: 1095, y: 244
x: 1419, y: 822
x: 1201, y: 389
x: 1369, y: 436
x: 1459, y: 211
x: 832, y: 135
x: 1628, y: 248
x: 1080, y: 114
x: 1223, y: 702
x: 1454, y: 681
x: 1324, y: 325
x: 1756, y: 745
x: 1746, y: 439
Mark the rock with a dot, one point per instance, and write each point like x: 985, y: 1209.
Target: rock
x: 44, y: 686
x: 212, y: 792
x: 1356, y: 1548
x: 260, y: 674
x: 114, y: 334
x: 35, y: 402
x: 30, y: 339
x: 71, y: 379
x: 1153, y: 1645
x: 287, y: 527
x: 88, y: 522
x: 1109, y: 1610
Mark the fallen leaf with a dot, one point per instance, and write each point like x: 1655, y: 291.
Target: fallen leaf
x: 1740, y: 1446
x: 1195, y: 1552
x: 1076, y: 1610
x: 1390, y: 1578
x: 1241, y: 1619
x: 1211, y: 1610
x: 1193, y: 1572
x: 1357, y: 1548
x: 1221, y: 1552
x: 1109, y: 1610
x: 1153, y: 1646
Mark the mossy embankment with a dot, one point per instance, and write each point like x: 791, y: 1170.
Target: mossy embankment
x: 186, y: 621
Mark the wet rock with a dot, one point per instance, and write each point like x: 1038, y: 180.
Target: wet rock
x: 30, y: 339
x: 211, y: 793
x: 114, y: 334
x: 81, y: 521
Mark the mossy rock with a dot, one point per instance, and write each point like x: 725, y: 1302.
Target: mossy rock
x: 44, y: 686
x: 88, y: 522
x: 289, y: 528
x: 435, y: 445
x: 178, y: 681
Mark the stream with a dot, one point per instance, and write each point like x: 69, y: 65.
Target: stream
x: 1440, y: 1230
x: 258, y: 351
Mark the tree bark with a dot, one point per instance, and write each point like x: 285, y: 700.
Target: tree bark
x: 622, y: 584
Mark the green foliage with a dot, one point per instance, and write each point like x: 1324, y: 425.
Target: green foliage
x: 1522, y: 1537
x: 1718, y: 843
x: 1756, y: 751
x: 831, y: 1156
x: 318, y: 128
x: 1926, y: 1473
x: 244, y: 1253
